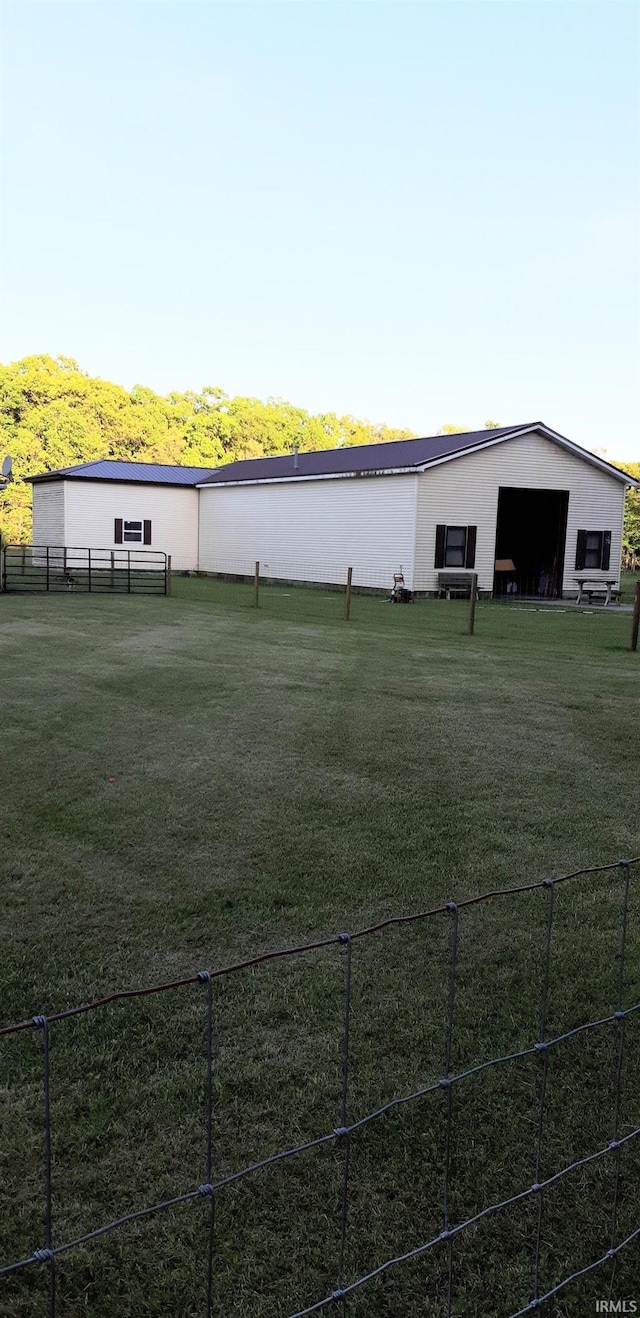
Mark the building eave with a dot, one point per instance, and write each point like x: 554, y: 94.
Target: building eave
x: 53, y: 477
x: 321, y: 476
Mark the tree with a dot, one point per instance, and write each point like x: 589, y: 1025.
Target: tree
x: 53, y: 415
x: 631, y: 528
x: 354, y: 432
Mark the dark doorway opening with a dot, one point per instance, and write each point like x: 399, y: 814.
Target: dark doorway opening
x: 532, y: 526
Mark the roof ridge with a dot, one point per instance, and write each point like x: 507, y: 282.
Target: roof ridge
x: 449, y: 441
x: 375, y: 443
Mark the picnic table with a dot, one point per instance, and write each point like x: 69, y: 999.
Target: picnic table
x: 589, y: 586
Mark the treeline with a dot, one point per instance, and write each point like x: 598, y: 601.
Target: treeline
x: 52, y: 414
x: 631, y: 532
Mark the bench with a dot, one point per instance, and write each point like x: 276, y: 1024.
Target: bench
x: 597, y: 589
x: 454, y: 585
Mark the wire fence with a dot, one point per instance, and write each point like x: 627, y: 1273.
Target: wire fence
x: 447, y: 1080
x: 303, y: 590
x: 295, y: 589
x: 335, y: 592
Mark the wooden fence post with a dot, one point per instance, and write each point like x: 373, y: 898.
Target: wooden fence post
x: 256, y: 584
x: 635, y: 627
x: 347, y: 595
x: 168, y: 590
x: 472, y: 602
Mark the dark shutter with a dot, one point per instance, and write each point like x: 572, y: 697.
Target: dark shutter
x: 147, y: 533
x: 581, y: 550
x: 606, y: 551
x: 117, y: 534
x: 470, y: 557
x: 441, y: 532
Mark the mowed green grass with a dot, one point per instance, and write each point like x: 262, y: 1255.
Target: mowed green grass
x: 187, y: 782
x: 628, y: 586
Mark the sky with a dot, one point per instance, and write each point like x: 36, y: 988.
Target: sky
x: 414, y: 212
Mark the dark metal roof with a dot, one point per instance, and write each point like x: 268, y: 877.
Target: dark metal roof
x: 149, y: 473
x: 394, y: 455
x: 360, y: 458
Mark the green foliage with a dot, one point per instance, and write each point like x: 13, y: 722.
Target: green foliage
x: 450, y: 429
x: 631, y: 530
x: 354, y: 432
x: 52, y: 414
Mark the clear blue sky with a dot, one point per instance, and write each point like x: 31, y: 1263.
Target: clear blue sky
x: 418, y: 213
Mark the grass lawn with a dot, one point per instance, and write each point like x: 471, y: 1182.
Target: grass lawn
x: 186, y: 782
x: 628, y: 584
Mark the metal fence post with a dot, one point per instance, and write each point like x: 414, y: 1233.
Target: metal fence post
x: 347, y: 595
x: 113, y: 570
x: 472, y: 602
x: 89, y: 574
x: 46, y: 1255
x: 47, y: 565
x: 256, y: 585
x: 167, y: 575
x: 129, y: 571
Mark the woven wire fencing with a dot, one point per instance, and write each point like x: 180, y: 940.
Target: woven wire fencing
x: 528, y: 1149
x: 303, y: 590
x: 295, y: 589
x: 330, y: 591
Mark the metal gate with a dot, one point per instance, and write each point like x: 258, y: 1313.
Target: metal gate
x: 27, y: 568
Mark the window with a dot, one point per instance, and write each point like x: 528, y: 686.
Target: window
x: 593, y: 551
x: 131, y: 533
x: 455, y: 546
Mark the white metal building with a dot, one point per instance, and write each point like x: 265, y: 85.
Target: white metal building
x: 105, y: 505
x: 523, y: 495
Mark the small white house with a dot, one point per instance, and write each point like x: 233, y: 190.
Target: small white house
x: 522, y: 506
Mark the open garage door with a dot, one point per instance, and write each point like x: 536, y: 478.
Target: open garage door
x: 530, y: 541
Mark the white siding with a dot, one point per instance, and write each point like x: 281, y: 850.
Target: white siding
x: 92, y: 507
x: 465, y: 492
x: 312, y: 530
x: 48, y: 513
